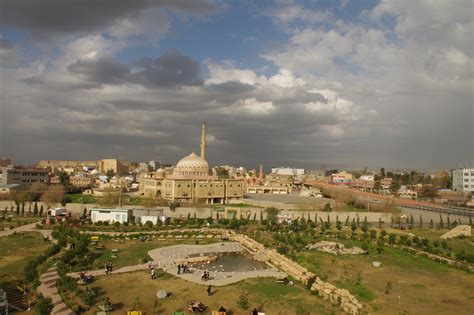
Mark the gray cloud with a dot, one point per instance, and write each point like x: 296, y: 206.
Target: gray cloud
x: 103, y: 70
x: 68, y: 16
x: 170, y: 69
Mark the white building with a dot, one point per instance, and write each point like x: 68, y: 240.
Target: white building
x: 367, y: 177
x: 110, y: 215
x: 288, y: 171
x: 463, y: 179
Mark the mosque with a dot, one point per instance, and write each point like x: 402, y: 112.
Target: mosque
x: 191, y: 181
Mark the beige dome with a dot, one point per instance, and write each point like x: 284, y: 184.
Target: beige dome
x: 192, y: 161
x: 160, y: 173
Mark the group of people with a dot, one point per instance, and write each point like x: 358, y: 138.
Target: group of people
x: 85, y: 278
x: 196, y: 306
x: 205, y: 276
x: 108, y: 267
x: 182, y: 268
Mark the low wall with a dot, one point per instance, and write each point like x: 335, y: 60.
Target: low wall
x: 206, y: 212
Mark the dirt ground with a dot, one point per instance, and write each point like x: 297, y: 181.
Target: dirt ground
x: 424, y: 286
x: 264, y: 294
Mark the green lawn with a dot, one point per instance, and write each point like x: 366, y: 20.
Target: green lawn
x: 132, y: 252
x: 16, y: 250
x: 80, y: 198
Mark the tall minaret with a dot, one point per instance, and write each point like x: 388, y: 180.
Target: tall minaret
x: 203, y: 141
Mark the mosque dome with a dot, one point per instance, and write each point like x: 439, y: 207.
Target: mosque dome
x: 192, y: 161
x: 191, y: 166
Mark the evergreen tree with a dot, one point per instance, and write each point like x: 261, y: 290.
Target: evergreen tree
x: 421, y: 221
x: 18, y: 210
x: 41, y: 211
x: 347, y: 221
x: 441, y: 223
x: 449, y: 222
x: 29, y: 209
x: 254, y: 216
x: 470, y: 220
x: 23, y: 209
x: 412, y: 221
x: 380, y: 223
x: 35, y: 209
x: 431, y: 224
x: 261, y: 215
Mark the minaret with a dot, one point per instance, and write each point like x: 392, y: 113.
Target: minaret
x: 203, y: 141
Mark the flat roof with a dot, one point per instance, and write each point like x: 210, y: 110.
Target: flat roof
x: 111, y: 209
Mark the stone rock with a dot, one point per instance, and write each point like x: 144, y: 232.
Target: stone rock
x: 460, y: 230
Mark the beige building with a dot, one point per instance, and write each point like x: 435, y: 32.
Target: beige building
x: 53, y: 164
x: 190, y: 181
x: 118, y: 167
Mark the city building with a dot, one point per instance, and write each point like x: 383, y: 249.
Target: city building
x: 463, y: 179
x: 341, y: 179
x: 406, y: 193
x: 271, y: 190
x: 190, y: 181
x: 14, y: 175
x: 363, y: 184
x: 81, y: 181
x: 118, y: 167
x: 316, y: 173
x: 386, y: 183
x: 6, y: 189
x: 61, y: 164
x: 287, y: 171
x: 4, y: 162
x: 110, y: 215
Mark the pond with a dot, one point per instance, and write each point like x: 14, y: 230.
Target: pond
x: 231, y: 261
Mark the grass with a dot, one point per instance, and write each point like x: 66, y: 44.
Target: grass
x: 131, y: 252
x: 17, y: 221
x: 16, y: 251
x: 80, y: 198
x: 264, y: 294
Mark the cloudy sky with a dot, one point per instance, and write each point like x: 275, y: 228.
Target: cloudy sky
x: 311, y: 84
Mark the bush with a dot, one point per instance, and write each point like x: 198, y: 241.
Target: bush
x: 243, y: 301
x: 43, y: 305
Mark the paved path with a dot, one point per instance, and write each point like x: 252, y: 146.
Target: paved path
x: 49, y: 290
x: 29, y: 228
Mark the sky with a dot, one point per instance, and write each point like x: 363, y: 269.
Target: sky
x: 304, y: 84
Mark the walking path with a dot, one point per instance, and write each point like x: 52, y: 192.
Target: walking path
x: 28, y: 228
x: 49, y: 290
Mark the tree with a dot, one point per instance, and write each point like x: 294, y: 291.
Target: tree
x: 109, y: 173
x: 449, y: 222
x: 37, y: 189
x: 431, y: 224
x: 35, y: 209
x: 222, y: 173
x: 54, y: 194
x: 441, y: 224
x: 380, y: 244
x: 353, y: 226
x: 365, y: 225
x: 272, y: 214
x: 243, y: 300
x: 421, y: 221
x: 395, y: 186
x: 392, y: 238
x: 327, y: 207
x: 373, y: 234
x: 41, y: 211
x: 18, y: 210
x: 23, y: 209
x: 382, y: 172
x: 429, y: 191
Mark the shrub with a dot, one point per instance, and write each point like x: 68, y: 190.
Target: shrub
x: 43, y: 305
x: 243, y: 301
x: 392, y: 238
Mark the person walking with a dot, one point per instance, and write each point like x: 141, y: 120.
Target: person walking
x: 179, y: 269
x: 209, y: 290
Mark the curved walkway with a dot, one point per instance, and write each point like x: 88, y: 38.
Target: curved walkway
x: 49, y: 289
